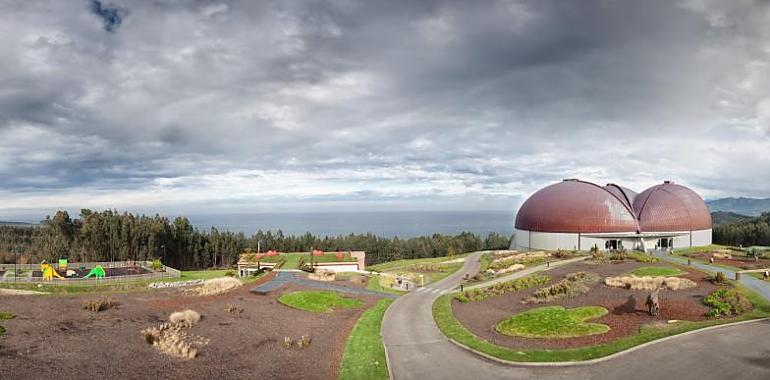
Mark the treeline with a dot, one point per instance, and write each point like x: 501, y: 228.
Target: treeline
x: 755, y: 231
x: 113, y: 236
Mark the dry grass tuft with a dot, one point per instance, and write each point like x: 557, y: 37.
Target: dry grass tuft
x: 98, y: 305
x: 649, y: 283
x: 216, y: 286
x: 171, y: 339
x: 187, y: 318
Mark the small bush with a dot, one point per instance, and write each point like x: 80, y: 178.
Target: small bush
x: 720, y: 278
x: 233, y: 309
x: 288, y: 341
x: 561, y: 254
x: 573, y: 285
x: 726, y: 302
x: 98, y: 305
x: 230, y: 273
x: 648, y: 282
x: 502, y: 288
x: 156, y: 265
x: 187, y: 318
x: 642, y: 258
x: 6, y: 315
x: 304, y: 341
x: 2, y: 330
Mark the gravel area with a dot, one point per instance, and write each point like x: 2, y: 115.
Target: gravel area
x: 627, y: 312
x: 53, y: 336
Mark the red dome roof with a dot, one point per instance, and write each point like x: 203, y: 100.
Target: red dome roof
x: 577, y: 207
x: 671, y: 207
x: 626, y: 195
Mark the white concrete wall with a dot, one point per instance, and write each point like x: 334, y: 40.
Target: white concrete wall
x: 550, y: 241
x: 701, y: 238
x: 352, y: 267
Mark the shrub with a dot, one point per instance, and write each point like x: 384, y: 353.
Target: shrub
x: 619, y: 255
x: 156, y: 265
x: 502, y: 288
x: 187, y: 318
x: 6, y: 315
x: 288, y: 341
x: 598, y: 255
x: 230, y: 273
x: 726, y: 302
x: 560, y: 254
x: 720, y: 278
x: 233, y: 309
x: 642, y: 258
x: 98, y: 305
x: 648, y: 282
x: 2, y: 330
x: 573, y: 285
x: 304, y: 341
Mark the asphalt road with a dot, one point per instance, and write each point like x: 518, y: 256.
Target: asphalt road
x: 418, y: 350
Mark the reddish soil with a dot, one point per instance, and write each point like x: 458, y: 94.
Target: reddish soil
x: 736, y: 261
x: 627, y: 312
x: 54, y: 337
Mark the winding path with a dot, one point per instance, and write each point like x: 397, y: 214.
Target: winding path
x: 418, y: 350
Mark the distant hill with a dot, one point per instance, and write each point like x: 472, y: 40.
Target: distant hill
x: 17, y: 224
x: 726, y: 217
x: 744, y: 206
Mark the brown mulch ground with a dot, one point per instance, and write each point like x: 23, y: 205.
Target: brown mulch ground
x: 54, y: 337
x: 627, y: 312
x: 736, y: 261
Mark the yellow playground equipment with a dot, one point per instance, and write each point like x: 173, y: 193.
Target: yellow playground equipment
x: 48, y: 272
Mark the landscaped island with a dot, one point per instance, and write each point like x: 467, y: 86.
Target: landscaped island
x: 592, y: 308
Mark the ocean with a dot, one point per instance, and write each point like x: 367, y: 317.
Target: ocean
x: 388, y: 224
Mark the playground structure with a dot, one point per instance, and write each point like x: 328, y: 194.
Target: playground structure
x: 49, y: 272
x: 67, y: 273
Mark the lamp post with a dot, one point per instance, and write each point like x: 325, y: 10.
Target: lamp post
x: 16, y: 265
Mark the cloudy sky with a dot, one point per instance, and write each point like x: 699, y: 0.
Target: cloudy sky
x: 240, y: 106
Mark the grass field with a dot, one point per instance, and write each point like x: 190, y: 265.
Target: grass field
x: 706, y: 248
x: 453, y: 329
x: 656, y: 271
x: 554, y: 322
x: 413, y: 266
x: 318, y: 301
x: 391, y: 266
x: 364, y: 356
x: 374, y: 285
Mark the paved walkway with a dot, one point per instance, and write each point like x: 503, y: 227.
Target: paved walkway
x: 283, y: 278
x: 418, y: 350
x: 757, y: 285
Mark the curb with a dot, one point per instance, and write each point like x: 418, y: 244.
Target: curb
x: 596, y: 360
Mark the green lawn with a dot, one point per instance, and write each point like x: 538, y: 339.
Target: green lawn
x: 318, y: 301
x: 554, y: 322
x: 374, y: 285
x: 656, y: 271
x: 364, y: 356
x: 403, y: 264
x: 452, y: 328
x: 706, y: 248
x: 292, y: 260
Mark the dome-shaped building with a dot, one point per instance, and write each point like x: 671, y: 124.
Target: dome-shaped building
x: 575, y: 214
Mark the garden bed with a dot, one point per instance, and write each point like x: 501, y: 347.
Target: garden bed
x: 49, y: 335
x: 626, y: 315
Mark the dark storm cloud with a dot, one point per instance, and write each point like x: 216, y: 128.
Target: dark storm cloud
x: 111, y: 15
x: 393, y: 99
